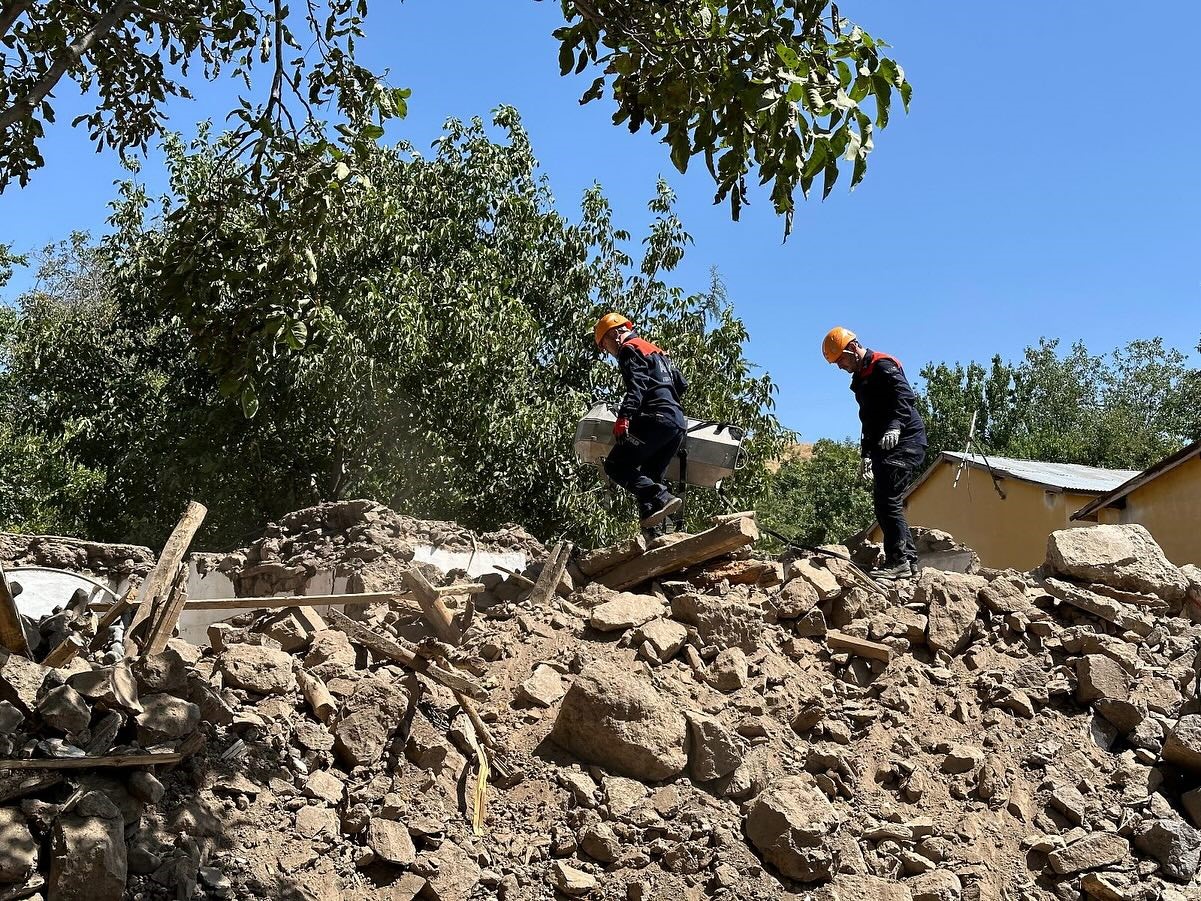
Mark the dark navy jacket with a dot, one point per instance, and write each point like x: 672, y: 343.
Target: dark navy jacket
x: 653, y: 385
x: 887, y: 402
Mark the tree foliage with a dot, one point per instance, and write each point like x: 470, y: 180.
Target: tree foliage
x: 436, y: 355
x: 1124, y: 410
x: 787, y: 90
x: 818, y: 498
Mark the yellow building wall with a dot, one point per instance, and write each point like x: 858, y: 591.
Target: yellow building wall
x: 1170, y: 508
x: 1005, y: 533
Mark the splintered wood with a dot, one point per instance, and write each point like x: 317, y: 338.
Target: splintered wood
x: 153, y: 603
x: 12, y: 634
x: 723, y: 538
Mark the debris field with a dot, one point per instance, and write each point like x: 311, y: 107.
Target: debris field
x: 694, y: 719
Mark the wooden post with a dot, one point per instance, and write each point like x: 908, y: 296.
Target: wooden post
x: 163, y: 626
x: 12, y: 633
x: 64, y: 652
x: 153, y: 591
x: 551, y: 575
x: 435, y: 611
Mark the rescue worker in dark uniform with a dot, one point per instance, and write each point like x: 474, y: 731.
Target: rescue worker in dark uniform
x: 650, y: 420
x: 893, y: 445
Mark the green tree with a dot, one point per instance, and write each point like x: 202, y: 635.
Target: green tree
x: 786, y: 89
x: 442, y: 360
x: 819, y: 499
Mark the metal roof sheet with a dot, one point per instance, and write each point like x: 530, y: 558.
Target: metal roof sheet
x: 1065, y: 476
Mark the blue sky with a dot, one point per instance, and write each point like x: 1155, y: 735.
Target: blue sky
x: 1044, y: 184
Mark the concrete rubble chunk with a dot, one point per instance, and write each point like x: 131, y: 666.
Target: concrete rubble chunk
x: 721, y: 622
x: 88, y: 857
x: 544, y: 688
x: 795, y: 599
x: 936, y: 885
x: 1182, y: 746
x: 1122, y: 556
x: 165, y: 717
x: 263, y: 670
x: 962, y: 759
x: 18, y: 850
x: 729, y: 671
x: 113, y: 687
x: 374, y: 710
x: 713, y: 750
x: 571, y: 881
x: 1098, y: 677
x: 818, y: 577
x: 391, y: 842
x: 665, y: 637
x: 600, y: 842
x: 856, y: 887
x: 612, y: 717
x: 625, y: 611
x: 21, y: 680
x: 792, y: 823
x: 323, y: 785
x: 953, y: 603
x: 65, y: 709
x: 452, y: 874
x: 330, y: 646
x: 1094, y: 851
x: 1172, y: 842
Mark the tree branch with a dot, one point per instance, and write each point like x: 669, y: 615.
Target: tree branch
x: 72, y: 55
x: 12, y: 13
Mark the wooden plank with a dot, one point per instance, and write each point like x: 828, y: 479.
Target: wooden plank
x: 551, y: 575
x: 385, y: 647
x: 595, y: 562
x: 169, y: 613
x: 154, y: 590
x: 16, y: 786
x: 721, y: 539
x: 320, y: 700
x: 12, y: 633
x: 432, y: 607
x: 87, y: 763
x: 64, y: 652
x: 280, y: 602
x: 841, y: 643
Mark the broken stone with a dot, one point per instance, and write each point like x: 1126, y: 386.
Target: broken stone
x: 166, y: 718
x: 625, y: 611
x: 1122, y: 556
x: 795, y: 599
x: 855, y: 887
x: 263, y: 670
x: 665, y: 636
x: 600, y: 842
x: 570, y: 881
x: 622, y: 795
x: 720, y: 622
x: 21, y: 680
x: 330, y: 646
x: 729, y: 671
x: 820, y: 578
x: 64, y: 709
x: 543, y: 689
x: 613, y: 718
x: 811, y: 625
x: 936, y: 885
x: 1099, y: 677
x: 962, y: 759
x: 113, y: 687
x: 714, y: 751
x: 1096, y: 850
x: 144, y: 786
x: 88, y: 859
x: 1183, y: 743
x: 324, y: 786
x: 952, y: 601
x: 168, y: 671
x: 313, y: 820
x: 391, y: 842
x: 451, y: 873
x: 1174, y: 843
x: 367, y: 720
x: 427, y: 747
x: 791, y: 823
x: 18, y: 850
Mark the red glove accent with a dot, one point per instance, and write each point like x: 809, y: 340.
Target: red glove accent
x: 621, y: 428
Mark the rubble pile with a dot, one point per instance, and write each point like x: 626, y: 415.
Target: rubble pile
x: 683, y: 720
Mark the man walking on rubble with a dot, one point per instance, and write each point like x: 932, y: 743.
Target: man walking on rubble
x: 650, y: 421
x: 893, y: 443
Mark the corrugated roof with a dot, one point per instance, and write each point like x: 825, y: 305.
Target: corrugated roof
x: 1139, y: 479
x: 1065, y: 476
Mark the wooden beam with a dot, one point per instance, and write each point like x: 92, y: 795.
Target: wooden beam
x: 721, y: 539
x: 281, y: 602
x: 593, y: 563
x: 320, y: 700
x: 388, y: 649
x: 87, y: 763
x: 64, y: 652
x: 840, y: 642
x: 432, y: 608
x: 164, y: 624
x: 153, y: 590
x: 551, y: 575
x: 12, y: 633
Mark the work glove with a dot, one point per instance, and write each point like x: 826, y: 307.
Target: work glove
x: 621, y: 428
x: 890, y: 439
x: 865, y: 469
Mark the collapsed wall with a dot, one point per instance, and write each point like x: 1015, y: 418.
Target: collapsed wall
x: 727, y: 727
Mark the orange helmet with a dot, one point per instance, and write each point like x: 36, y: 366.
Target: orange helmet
x: 607, y: 322
x: 836, y: 342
